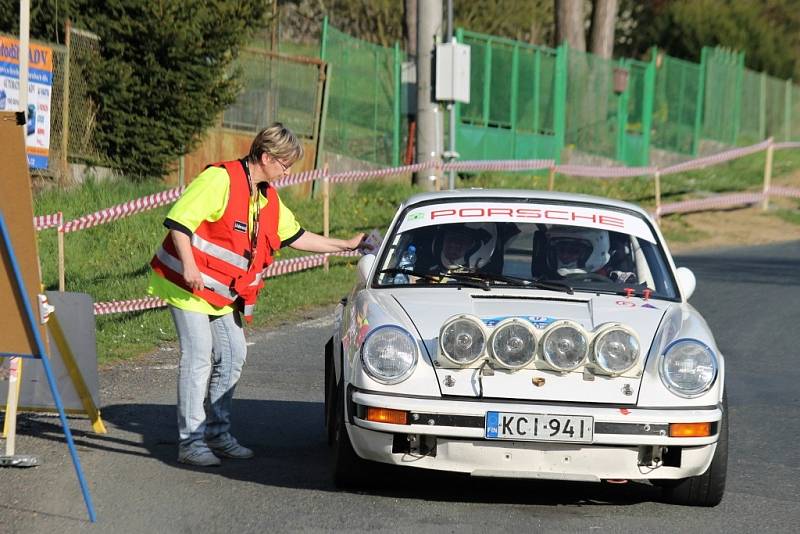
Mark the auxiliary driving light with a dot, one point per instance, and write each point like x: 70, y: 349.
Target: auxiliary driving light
x: 565, y: 345
x: 462, y: 339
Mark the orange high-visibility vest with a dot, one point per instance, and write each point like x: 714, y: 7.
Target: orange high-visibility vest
x: 230, y: 263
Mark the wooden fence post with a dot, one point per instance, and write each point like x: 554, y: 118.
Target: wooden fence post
x: 60, y: 234
x: 551, y: 178
x: 657, y: 181
x: 326, y: 207
x: 767, y: 175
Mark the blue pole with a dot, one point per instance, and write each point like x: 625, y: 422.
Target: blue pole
x: 50, y: 380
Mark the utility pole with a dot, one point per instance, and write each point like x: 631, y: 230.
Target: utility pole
x: 430, y: 136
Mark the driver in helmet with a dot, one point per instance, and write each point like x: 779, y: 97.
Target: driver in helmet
x: 574, y: 250
x: 465, y: 247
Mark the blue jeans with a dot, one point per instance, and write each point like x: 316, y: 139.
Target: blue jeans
x: 213, y: 351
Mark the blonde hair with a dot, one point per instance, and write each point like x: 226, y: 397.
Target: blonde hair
x: 277, y: 141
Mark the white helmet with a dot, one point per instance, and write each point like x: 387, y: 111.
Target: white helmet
x: 577, y: 250
x: 468, y: 246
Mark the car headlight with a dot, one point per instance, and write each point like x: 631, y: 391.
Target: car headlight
x: 513, y: 343
x: 565, y: 345
x: 616, y: 350
x: 389, y: 354
x: 688, y: 367
x: 462, y: 339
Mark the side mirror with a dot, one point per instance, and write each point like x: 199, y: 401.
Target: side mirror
x: 687, y: 281
x: 365, y: 266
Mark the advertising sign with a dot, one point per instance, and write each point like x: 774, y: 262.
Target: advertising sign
x: 40, y: 88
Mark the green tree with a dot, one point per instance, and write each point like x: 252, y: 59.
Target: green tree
x: 165, y: 74
x: 767, y: 31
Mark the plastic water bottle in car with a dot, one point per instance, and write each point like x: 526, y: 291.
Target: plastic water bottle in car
x: 407, y: 261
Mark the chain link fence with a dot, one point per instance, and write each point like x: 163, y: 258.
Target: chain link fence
x: 276, y: 88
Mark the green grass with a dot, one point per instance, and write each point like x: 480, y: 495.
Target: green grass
x: 110, y: 262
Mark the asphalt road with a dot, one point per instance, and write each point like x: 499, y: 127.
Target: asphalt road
x: 750, y: 297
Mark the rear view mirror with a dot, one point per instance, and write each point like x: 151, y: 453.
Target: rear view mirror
x: 687, y: 281
x: 365, y: 266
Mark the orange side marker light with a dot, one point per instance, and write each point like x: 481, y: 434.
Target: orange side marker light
x: 689, y: 430
x: 386, y: 415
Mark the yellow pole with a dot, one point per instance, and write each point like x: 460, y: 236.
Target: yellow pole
x: 71, y: 365
x: 10, y: 420
x: 551, y: 179
x: 767, y: 175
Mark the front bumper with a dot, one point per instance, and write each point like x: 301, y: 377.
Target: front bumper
x: 628, y: 443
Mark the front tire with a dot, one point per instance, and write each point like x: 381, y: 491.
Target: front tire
x: 349, y: 470
x: 708, y: 488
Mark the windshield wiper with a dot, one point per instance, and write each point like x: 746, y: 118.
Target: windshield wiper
x: 468, y: 281
x: 520, y: 282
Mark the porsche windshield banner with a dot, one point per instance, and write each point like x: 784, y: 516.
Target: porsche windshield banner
x: 40, y: 85
x: 515, y: 212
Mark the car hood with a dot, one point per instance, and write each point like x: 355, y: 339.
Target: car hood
x: 428, y: 310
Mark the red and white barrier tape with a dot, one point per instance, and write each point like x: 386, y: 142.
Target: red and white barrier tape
x: 125, y: 209
x: 718, y: 201
x: 604, y: 172
x: 499, y: 165
x: 278, y: 268
x: 43, y: 222
x: 788, y: 192
x: 147, y: 303
x: 786, y: 144
x: 357, y: 176
x: 728, y: 155
x: 299, y: 178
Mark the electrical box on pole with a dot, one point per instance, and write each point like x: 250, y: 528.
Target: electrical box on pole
x: 452, y: 72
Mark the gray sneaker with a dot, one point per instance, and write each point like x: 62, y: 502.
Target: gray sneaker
x: 201, y: 457
x: 229, y: 448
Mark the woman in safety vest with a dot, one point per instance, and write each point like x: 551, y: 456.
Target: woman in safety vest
x: 222, y: 235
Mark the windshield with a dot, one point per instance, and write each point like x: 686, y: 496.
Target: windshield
x: 541, y: 246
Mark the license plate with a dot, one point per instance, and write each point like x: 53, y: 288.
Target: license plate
x: 539, y: 427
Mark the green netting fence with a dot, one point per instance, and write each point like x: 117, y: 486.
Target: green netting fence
x: 274, y: 88
x: 516, y: 108
x: 363, y: 112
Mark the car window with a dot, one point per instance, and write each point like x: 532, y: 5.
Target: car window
x: 612, y: 252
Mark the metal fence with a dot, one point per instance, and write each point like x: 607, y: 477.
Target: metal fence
x: 615, y: 109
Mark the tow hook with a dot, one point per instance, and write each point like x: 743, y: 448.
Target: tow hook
x: 652, y: 457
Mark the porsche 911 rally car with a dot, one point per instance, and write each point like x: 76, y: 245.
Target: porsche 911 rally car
x: 527, y: 334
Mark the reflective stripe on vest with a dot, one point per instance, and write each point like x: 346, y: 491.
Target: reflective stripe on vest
x: 220, y: 253
x: 175, y: 264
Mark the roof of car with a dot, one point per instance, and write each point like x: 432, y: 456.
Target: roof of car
x: 532, y: 194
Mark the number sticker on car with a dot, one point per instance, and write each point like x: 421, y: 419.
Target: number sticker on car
x: 539, y: 427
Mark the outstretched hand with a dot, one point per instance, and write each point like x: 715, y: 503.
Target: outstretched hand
x: 355, y: 242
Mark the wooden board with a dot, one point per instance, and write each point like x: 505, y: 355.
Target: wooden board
x: 16, y: 203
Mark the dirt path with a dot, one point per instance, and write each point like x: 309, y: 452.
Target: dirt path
x: 734, y: 227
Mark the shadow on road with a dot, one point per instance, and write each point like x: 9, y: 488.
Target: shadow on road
x: 291, y: 451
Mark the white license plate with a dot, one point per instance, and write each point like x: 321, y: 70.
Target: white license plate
x: 539, y: 427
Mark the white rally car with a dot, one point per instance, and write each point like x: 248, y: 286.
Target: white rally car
x: 527, y: 334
